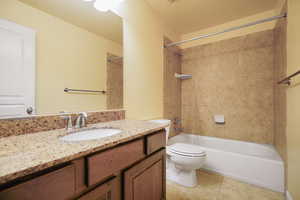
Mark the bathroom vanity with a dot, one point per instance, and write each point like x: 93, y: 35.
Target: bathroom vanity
x: 130, y: 166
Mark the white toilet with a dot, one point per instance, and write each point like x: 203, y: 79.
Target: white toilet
x: 183, y: 160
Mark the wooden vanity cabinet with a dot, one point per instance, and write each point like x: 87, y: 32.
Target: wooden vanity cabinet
x: 146, y: 180
x: 58, y: 185
x: 131, y: 171
x: 155, y: 142
x: 104, y: 164
x: 106, y: 191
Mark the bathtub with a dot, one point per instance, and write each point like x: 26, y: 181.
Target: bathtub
x: 257, y: 164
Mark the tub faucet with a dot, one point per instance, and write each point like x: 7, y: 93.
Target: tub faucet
x: 81, y: 120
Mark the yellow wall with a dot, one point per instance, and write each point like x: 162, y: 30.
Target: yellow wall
x: 67, y: 56
x: 143, y: 60
x: 293, y: 99
x: 237, y: 33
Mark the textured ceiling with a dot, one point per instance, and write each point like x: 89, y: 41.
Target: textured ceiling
x: 84, y: 15
x: 185, y: 16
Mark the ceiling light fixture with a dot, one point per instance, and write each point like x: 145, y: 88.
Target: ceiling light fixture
x: 105, y: 5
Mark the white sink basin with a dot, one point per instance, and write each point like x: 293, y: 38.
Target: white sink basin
x: 92, y: 134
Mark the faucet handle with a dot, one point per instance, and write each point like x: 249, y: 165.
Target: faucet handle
x: 68, y: 119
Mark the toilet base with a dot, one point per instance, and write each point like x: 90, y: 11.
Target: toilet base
x: 187, y: 178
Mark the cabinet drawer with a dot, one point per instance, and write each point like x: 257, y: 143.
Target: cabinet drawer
x: 156, y: 142
x: 107, y: 163
x: 58, y: 185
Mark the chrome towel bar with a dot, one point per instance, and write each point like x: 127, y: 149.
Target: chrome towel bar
x: 287, y: 80
x: 89, y: 91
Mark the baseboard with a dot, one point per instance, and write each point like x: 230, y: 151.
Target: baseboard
x: 288, y: 196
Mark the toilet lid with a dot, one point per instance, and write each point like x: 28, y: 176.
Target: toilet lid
x: 186, y: 149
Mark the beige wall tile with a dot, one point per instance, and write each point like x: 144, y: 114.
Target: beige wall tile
x: 280, y: 33
x: 172, y: 87
x: 280, y: 100
x: 114, y: 82
x: 233, y: 77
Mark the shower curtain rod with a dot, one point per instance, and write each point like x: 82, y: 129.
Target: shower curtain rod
x: 227, y: 30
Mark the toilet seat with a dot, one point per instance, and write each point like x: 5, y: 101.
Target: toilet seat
x: 188, y: 150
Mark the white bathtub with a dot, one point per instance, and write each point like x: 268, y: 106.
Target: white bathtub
x: 253, y: 163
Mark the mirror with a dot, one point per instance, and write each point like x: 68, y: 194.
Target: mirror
x: 59, y: 56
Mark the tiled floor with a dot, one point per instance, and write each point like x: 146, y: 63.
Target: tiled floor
x: 216, y: 187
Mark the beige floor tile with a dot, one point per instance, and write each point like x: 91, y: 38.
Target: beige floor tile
x: 230, y: 194
x: 233, y: 190
x: 263, y: 194
x: 207, y: 178
x: 174, y: 192
x: 216, y: 187
x: 209, y: 186
x: 232, y: 184
x: 177, y: 192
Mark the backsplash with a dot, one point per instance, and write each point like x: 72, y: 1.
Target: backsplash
x: 20, y: 126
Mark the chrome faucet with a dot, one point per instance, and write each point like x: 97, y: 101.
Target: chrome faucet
x: 68, y: 119
x: 81, y: 120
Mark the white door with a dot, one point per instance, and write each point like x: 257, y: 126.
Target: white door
x: 17, y: 70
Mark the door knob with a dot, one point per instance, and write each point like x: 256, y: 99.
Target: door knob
x: 29, y: 110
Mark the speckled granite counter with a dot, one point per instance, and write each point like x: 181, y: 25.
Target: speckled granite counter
x: 25, y: 154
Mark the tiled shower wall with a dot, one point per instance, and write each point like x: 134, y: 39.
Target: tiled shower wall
x: 172, y: 87
x: 280, y: 35
x: 114, y: 82
x: 235, y: 78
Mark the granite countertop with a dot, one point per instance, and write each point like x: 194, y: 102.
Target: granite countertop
x: 25, y: 154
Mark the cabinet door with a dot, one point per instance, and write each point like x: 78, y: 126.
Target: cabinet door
x: 146, y: 180
x: 106, y: 191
